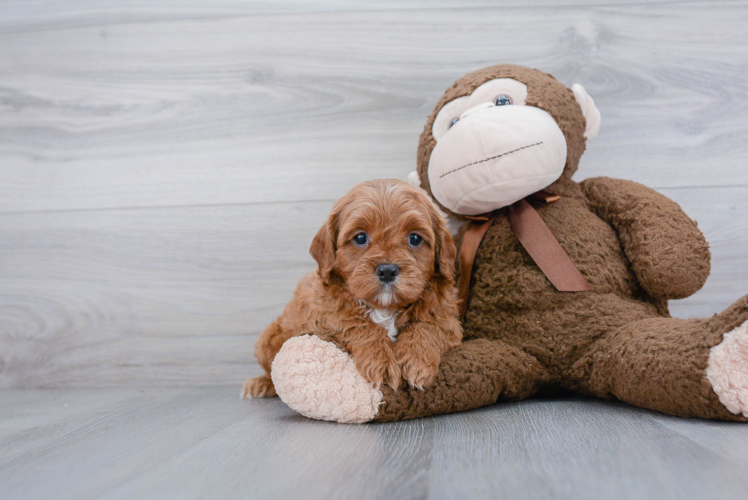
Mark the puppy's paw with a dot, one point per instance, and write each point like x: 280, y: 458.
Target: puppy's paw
x: 378, y: 367
x: 419, y: 367
x: 260, y: 387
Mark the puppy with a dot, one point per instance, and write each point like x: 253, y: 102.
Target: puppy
x: 383, y: 289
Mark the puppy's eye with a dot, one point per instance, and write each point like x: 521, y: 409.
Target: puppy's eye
x: 451, y: 124
x: 360, y: 239
x: 502, y: 100
x: 414, y: 240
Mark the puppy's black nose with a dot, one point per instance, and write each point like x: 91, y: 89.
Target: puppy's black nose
x: 387, y: 272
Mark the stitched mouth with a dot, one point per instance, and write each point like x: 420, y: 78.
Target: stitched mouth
x: 491, y: 158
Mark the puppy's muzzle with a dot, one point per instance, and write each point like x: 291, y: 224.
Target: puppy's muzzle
x: 387, y: 273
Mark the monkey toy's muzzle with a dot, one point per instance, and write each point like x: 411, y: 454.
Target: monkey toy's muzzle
x: 494, y: 156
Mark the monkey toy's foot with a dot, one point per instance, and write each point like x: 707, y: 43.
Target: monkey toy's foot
x: 318, y: 380
x: 728, y: 370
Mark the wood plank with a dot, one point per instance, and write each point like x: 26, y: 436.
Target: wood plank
x: 177, y: 296
x: 45, y: 12
x: 727, y: 439
x: 574, y: 449
x: 165, y: 296
x: 130, y: 435
x: 206, y: 442
x: 288, y: 107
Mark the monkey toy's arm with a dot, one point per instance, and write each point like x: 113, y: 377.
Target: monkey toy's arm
x: 667, y: 251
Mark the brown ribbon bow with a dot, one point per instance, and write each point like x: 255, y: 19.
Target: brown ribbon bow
x: 534, y: 235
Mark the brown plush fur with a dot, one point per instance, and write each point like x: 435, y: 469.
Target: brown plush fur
x: 336, y: 301
x: 636, y: 248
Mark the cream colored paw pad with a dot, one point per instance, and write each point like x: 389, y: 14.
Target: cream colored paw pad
x: 727, y: 370
x: 318, y: 380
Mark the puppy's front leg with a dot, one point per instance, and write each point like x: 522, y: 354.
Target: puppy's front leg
x: 419, y: 349
x: 372, y: 351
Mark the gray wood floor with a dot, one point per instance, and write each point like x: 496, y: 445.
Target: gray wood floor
x: 207, y: 443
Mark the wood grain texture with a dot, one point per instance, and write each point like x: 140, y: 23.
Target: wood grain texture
x: 154, y: 111
x: 207, y: 443
x: 164, y: 296
x: 163, y: 170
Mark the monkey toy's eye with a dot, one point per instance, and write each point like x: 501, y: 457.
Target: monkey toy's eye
x: 414, y: 239
x: 502, y: 100
x: 453, y: 122
x: 360, y: 239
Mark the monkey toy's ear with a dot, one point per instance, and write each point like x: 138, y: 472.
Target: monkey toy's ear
x: 415, y: 181
x: 589, y: 110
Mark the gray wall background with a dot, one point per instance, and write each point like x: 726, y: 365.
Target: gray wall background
x: 164, y: 166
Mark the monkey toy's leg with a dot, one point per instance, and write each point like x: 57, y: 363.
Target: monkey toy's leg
x: 319, y: 379
x: 688, y: 368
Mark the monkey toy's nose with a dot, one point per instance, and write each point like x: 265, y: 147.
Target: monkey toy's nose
x: 387, y: 273
x: 477, y: 109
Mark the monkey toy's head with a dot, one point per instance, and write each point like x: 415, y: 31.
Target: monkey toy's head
x: 500, y: 134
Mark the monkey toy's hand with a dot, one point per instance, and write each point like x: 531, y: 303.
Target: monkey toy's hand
x: 667, y: 251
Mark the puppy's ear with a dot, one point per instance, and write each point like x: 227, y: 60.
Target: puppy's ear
x: 445, y: 247
x: 323, y: 249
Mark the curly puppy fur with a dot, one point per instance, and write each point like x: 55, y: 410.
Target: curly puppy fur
x: 346, y: 299
x: 636, y: 248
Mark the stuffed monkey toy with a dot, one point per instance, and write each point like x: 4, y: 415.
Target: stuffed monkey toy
x: 565, y: 285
